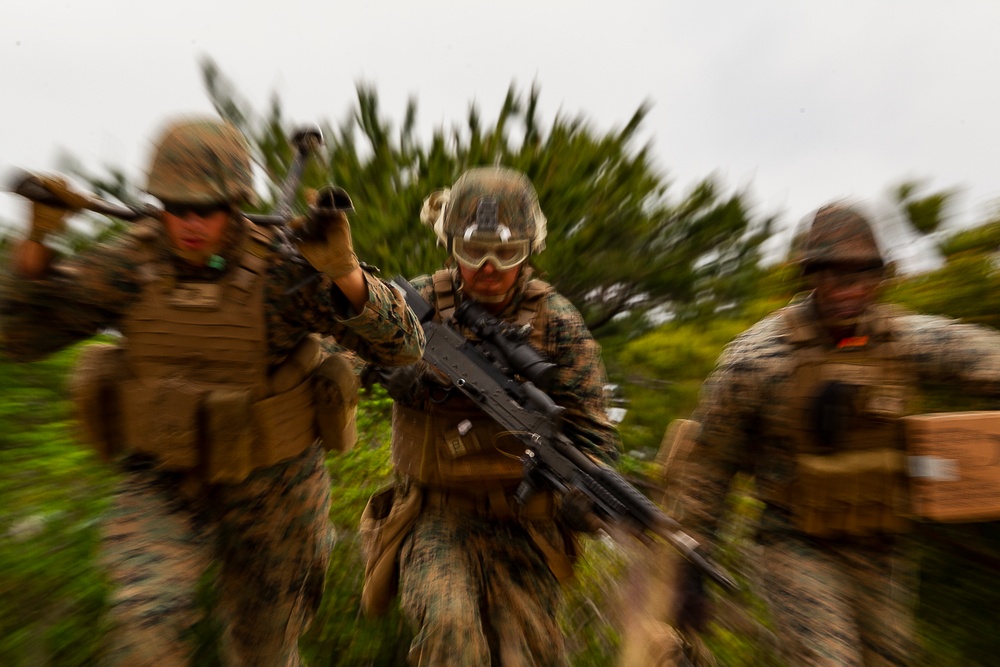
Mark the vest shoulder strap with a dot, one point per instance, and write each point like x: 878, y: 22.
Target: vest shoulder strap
x: 533, y: 311
x: 444, y: 293
x: 258, y: 241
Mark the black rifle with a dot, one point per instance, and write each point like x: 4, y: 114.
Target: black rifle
x: 496, y: 373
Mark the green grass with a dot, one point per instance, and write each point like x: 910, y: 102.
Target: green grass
x: 53, y: 493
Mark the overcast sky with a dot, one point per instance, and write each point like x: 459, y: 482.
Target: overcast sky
x: 797, y: 102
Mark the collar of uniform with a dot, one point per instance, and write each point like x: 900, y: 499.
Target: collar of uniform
x: 873, y: 325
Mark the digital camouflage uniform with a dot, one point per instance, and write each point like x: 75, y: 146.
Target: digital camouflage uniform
x: 264, y: 536
x: 836, y: 599
x: 479, y: 576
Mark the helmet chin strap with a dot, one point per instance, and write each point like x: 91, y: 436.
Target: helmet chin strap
x: 499, y: 298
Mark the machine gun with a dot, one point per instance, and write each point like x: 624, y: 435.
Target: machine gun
x: 499, y: 374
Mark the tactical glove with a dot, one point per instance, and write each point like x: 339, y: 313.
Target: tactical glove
x: 576, y: 511
x: 324, y: 235
x: 408, y: 384
x: 50, y: 217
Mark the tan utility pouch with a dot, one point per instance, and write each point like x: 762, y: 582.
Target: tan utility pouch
x: 229, y: 435
x: 285, y: 425
x: 160, y: 417
x: 335, y: 388
x: 851, y: 493
x: 386, y: 521
x: 94, y: 389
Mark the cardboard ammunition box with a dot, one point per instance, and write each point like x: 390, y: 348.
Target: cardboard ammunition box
x: 953, y: 460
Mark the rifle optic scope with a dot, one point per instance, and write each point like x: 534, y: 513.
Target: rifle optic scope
x: 516, y: 353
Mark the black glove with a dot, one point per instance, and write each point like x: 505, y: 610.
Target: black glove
x: 576, y: 511
x: 408, y: 384
x: 691, y: 610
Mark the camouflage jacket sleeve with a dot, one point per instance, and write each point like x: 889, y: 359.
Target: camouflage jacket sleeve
x: 732, y: 404
x: 78, y: 298
x: 580, y: 381
x: 945, y: 351
x: 385, y: 332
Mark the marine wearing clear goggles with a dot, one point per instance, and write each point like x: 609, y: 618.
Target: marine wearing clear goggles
x: 489, y: 240
x: 474, y: 254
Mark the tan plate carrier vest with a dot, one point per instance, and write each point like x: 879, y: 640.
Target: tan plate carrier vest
x: 453, y: 444
x: 861, y: 487
x: 190, y: 382
x: 460, y: 456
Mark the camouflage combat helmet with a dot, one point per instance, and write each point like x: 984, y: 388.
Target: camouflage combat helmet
x: 839, y: 235
x: 494, y: 203
x: 201, y: 161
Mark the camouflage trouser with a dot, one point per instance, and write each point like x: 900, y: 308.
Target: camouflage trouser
x: 838, y: 604
x: 267, y: 540
x: 478, y: 593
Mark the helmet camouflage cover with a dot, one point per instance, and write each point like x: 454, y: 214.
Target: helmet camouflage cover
x: 839, y: 235
x: 495, y: 203
x: 201, y: 161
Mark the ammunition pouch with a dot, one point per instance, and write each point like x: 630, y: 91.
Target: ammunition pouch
x: 850, y: 493
x: 453, y: 448
x: 284, y: 425
x: 220, y: 429
x: 93, y: 386
x: 386, y: 521
x: 335, y: 389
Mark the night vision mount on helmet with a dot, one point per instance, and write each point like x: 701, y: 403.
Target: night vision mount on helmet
x: 491, y: 213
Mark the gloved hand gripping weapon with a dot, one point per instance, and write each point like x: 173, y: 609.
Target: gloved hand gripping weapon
x: 500, y: 376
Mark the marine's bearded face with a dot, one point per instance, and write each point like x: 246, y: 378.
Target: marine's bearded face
x: 843, y: 292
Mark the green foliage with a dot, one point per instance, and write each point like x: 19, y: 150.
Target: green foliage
x: 965, y: 288
x: 591, y: 616
x: 665, y: 369
x: 52, y: 492
x: 617, y: 242
x: 984, y: 239
x: 958, y: 568
x: 341, y: 634
x: 925, y: 214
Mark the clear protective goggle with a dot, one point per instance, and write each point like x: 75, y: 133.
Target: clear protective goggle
x: 473, y: 254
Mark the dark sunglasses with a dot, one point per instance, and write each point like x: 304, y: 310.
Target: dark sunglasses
x: 847, y: 277
x: 199, y: 210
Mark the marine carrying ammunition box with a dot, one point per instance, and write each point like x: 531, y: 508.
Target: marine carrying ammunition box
x: 954, y: 465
